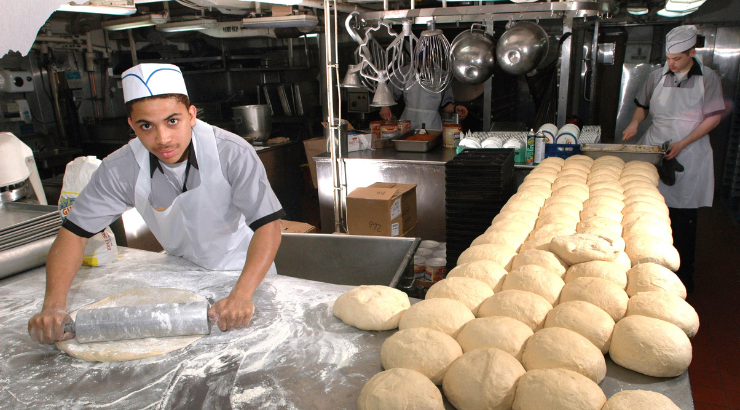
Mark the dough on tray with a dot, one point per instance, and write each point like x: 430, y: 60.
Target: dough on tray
x: 581, y: 248
x: 646, y: 277
x: 535, y: 279
x: 526, y: 307
x: 429, y: 352
x: 446, y: 315
x: 665, y: 306
x: 586, y: 319
x: 545, y: 259
x: 639, y: 400
x: 500, y: 254
x: 371, y: 307
x: 400, y: 389
x: 469, y: 291
x: 501, y: 332
x: 561, y: 348
x: 598, y: 269
x: 486, y: 271
x: 649, y: 249
x: 557, y: 389
x: 601, y: 292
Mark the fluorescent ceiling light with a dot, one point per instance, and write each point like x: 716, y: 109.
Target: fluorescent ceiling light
x: 88, y: 8
x: 134, y: 22
x: 680, y: 7
x: 666, y: 13
x: 638, y: 11
x: 296, y: 20
x: 187, y: 25
x: 281, y: 2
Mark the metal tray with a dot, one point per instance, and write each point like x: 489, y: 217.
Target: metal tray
x: 13, y: 215
x: 628, y: 152
x: 418, y: 146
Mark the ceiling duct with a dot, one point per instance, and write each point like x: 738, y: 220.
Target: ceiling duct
x: 295, y: 20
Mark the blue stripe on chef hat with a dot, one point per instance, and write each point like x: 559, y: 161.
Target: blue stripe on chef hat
x: 680, y: 39
x: 140, y: 81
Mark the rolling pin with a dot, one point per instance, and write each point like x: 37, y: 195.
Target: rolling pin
x: 140, y: 322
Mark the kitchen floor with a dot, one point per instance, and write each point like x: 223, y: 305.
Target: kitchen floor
x: 715, y: 369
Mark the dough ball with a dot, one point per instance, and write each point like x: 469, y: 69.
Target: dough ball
x: 610, y: 271
x: 371, y: 307
x: 535, y: 279
x: 500, y: 332
x: 522, y: 205
x: 645, y: 198
x: 642, y: 192
x: 665, y: 306
x: 616, y: 168
x: 545, y: 259
x: 647, y: 277
x: 573, y: 171
x: 550, y: 231
x: 559, y: 162
x: 609, y: 159
x: 608, y: 172
x: 565, y: 199
x: 614, y: 186
x: 649, y: 249
x: 500, y: 254
x: 641, y: 206
x: 539, y: 244
x: 623, y: 260
x: 600, y: 223
x: 608, y: 192
x: 561, y: 348
x: 581, y: 166
x: 579, y: 158
x: 557, y: 389
x: 614, y: 239
x: 544, y: 191
x: 577, y: 191
x: 446, y: 315
x: 536, y: 182
x: 523, y: 217
x: 586, y: 319
x: 636, y: 217
x: 400, y: 389
x: 526, y: 307
x: 639, y: 400
x: 561, y: 208
x: 545, y: 173
x: 470, y: 292
x: 650, y: 346
x: 539, y: 199
x: 656, y: 230
x: 581, y: 248
x: 604, y: 200
x: 509, y: 239
x: 570, y: 180
x: 509, y: 225
x: 557, y: 219
x: 638, y: 184
x: 603, y: 293
x: 483, y: 379
x: 625, y: 179
x: 429, y: 352
x: 639, y: 165
x: 485, y: 271
x: 592, y: 180
x: 601, y: 211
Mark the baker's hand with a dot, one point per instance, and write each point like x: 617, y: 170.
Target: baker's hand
x: 48, y: 326
x: 629, y: 132
x: 385, y: 113
x: 675, y: 149
x: 232, y: 313
x: 462, y: 111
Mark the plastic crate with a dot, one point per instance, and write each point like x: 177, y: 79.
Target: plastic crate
x: 562, y: 150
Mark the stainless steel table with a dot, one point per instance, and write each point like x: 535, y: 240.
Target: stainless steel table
x: 294, y: 355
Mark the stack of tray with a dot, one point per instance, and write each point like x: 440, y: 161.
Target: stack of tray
x: 478, y: 184
x: 22, y: 223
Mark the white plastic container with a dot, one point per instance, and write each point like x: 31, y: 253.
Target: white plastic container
x: 425, y: 252
x: 420, y: 267
x: 429, y: 244
x: 440, y: 254
x: 436, y: 269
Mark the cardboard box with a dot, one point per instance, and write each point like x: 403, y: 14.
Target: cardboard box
x: 296, y: 227
x: 314, y: 147
x: 382, y: 209
x: 358, y: 141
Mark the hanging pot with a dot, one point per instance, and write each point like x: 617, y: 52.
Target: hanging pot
x: 521, y: 48
x: 473, y: 57
x: 253, y: 121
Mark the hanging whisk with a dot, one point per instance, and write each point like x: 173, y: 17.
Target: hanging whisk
x: 401, y: 69
x: 432, y: 60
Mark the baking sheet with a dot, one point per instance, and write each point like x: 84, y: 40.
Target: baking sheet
x: 14, y: 215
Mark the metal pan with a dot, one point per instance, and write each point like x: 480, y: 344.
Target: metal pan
x: 628, y: 152
x: 24, y: 241
x: 41, y: 226
x: 13, y: 215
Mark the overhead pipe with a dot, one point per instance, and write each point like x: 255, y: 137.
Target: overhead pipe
x: 344, y: 8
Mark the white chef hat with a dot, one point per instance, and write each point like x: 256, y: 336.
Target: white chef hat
x: 146, y: 80
x: 680, y: 39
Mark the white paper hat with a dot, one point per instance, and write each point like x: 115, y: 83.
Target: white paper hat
x: 146, y: 80
x: 680, y: 39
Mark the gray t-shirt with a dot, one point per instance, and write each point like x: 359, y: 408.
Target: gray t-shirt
x: 714, y: 102
x: 110, y: 191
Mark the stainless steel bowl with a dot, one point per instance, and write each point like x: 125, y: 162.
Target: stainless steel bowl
x: 473, y: 57
x: 253, y: 122
x: 521, y: 48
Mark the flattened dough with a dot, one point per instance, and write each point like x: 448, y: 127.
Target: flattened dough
x: 123, y: 350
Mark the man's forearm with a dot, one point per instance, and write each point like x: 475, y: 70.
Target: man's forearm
x: 639, y: 115
x: 62, y: 264
x: 261, y: 254
x: 703, y: 129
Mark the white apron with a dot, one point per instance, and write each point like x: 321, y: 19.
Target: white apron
x: 427, y: 108
x: 202, y: 225
x: 676, y: 113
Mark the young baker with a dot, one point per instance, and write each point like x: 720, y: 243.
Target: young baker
x: 201, y: 190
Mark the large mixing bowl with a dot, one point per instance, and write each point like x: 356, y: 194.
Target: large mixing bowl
x: 253, y: 122
x: 521, y: 48
x: 473, y: 57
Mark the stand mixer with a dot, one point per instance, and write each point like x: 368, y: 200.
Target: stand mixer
x: 17, y: 170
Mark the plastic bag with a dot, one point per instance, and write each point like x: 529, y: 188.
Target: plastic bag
x: 101, y: 248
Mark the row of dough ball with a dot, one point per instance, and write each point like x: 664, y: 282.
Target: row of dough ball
x: 617, y: 201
